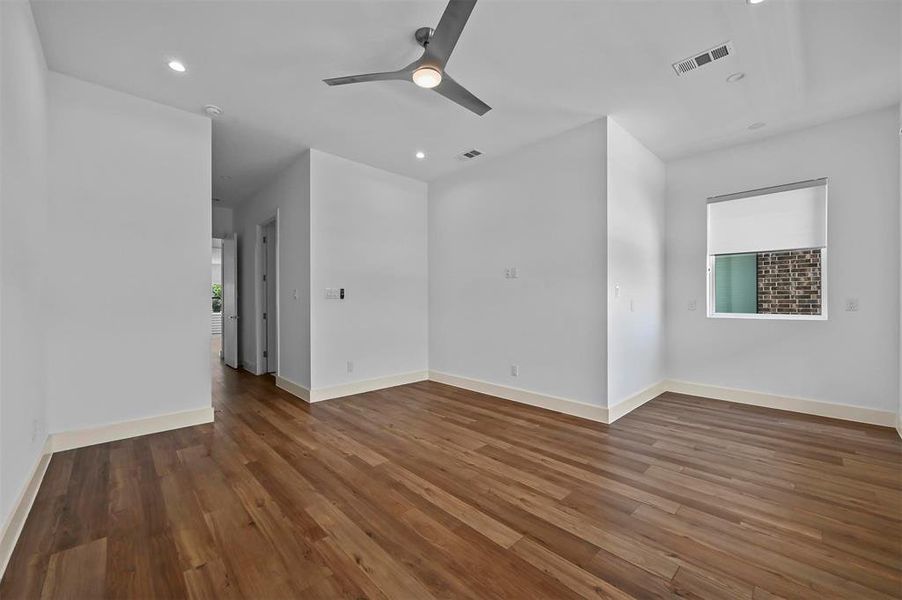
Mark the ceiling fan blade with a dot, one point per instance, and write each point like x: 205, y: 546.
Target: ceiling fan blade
x: 387, y: 76
x: 452, y: 23
x: 455, y: 92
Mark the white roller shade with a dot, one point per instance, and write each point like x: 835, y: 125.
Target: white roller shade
x: 780, y: 218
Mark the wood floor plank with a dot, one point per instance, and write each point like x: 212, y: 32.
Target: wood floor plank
x: 77, y: 572
x: 575, y: 578
x: 479, y: 521
x: 427, y: 490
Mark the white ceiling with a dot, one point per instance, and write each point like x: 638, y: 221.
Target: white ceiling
x: 544, y: 67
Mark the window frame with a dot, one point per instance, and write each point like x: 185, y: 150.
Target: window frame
x: 712, y: 314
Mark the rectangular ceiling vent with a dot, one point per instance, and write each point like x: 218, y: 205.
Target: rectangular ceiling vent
x: 700, y: 60
x: 469, y: 154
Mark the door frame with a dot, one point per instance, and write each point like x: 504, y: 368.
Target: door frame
x: 259, y: 268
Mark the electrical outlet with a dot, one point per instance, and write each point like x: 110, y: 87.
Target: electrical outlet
x: 515, y: 370
x: 692, y: 305
x: 852, y: 304
x: 350, y: 366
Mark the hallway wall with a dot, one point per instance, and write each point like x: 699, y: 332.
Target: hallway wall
x: 288, y: 194
x: 223, y: 221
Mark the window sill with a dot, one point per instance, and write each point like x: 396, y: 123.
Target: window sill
x: 766, y: 317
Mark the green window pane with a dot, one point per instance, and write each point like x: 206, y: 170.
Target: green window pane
x: 736, y: 283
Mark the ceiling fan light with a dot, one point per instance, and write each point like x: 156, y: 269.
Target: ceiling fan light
x: 427, y: 77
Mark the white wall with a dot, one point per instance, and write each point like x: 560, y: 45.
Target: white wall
x: 223, y: 221
x: 23, y: 205
x: 853, y: 357
x: 540, y: 209
x: 636, y: 205
x: 129, y: 322
x: 289, y: 196
x: 368, y: 233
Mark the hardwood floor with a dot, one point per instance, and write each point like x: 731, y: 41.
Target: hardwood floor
x: 428, y: 491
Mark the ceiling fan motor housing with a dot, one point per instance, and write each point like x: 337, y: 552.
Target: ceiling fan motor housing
x: 423, y: 35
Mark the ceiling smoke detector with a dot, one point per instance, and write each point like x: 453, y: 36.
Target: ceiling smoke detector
x: 702, y: 58
x: 212, y: 110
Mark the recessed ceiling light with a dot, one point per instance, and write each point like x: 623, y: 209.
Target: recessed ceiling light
x: 421, y: 155
x: 755, y: 1
x: 735, y: 77
x: 177, y: 66
x: 757, y: 125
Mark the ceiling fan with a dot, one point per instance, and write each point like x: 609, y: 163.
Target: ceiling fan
x: 428, y: 71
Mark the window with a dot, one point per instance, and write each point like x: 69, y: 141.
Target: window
x: 767, y: 253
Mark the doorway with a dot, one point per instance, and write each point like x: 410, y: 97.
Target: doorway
x: 269, y: 305
x: 230, y: 300
x: 216, y: 300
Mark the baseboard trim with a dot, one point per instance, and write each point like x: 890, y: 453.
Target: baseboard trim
x: 636, y: 400
x: 295, y: 389
x: 68, y: 440
x: 555, y: 403
x: 610, y: 414
x: 806, y: 406
x: 366, y: 385
x: 22, y: 506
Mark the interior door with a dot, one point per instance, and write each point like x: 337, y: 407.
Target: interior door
x: 270, y: 316
x: 230, y: 300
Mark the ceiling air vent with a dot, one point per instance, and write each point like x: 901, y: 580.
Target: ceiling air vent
x: 469, y: 154
x: 700, y: 60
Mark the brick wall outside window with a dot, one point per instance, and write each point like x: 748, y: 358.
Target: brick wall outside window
x: 789, y: 283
